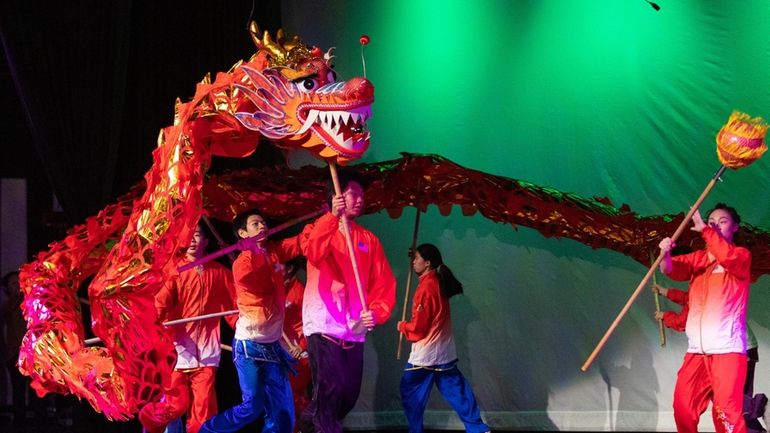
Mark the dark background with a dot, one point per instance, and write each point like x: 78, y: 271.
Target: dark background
x: 85, y: 87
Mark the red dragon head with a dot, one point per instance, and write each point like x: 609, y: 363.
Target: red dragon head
x: 295, y: 99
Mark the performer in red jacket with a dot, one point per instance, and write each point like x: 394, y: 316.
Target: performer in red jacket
x: 335, y: 322
x: 207, y: 288
x: 753, y: 405
x: 433, y: 359
x: 260, y: 361
x: 714, y: 366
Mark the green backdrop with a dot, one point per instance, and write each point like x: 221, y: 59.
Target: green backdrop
x: 604, y: 98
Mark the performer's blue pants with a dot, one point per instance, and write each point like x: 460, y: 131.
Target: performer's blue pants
x: 265, y: 390
x: 175, y: 426
x: 417, y: 383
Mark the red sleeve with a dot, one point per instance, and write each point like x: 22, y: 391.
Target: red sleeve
x: 736, y: 260
x: 287, y: 249
x: 227, y: 290
x: 681, y: 267
x: 681, y: 297
x: 296, y: 292
x: 166, y: 299
x: 424, y: 308
x: 316, y: 238
x: 675, y: 321
x: 381, y: 295
x: 248, y: 273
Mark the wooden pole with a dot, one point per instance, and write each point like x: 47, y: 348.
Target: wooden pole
x: 297, y: 220
x: 348, y: 240
x: 214, y: 255
x: 661, y: 327
x: 651, y: 271
x: 96, y: 340
x: 240, y: 244
x: 409, y: 277
x: 220, y: 242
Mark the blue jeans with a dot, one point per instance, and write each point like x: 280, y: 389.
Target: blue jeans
x: 175, y: 426
x: 265, y: 390
x: 417, y: 383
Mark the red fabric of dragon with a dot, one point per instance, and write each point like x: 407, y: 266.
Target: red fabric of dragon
x: 285, y: 92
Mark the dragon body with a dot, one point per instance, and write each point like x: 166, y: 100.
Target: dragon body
x: 421, y: 180
x: 286, y: 92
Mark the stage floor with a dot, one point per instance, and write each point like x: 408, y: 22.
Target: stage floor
x: 75, y: 422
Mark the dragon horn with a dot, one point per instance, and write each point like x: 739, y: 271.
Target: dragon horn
x: 254, y: 32
x: 266, y: 42
x: 286, y: 45
x: 280, y: 52
x: 273, y: 49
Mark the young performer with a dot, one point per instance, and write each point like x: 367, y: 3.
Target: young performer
x: 260, y: 360
x: 294, y: 340
x: 714, y: 366
x: 334, y: 321
x: 753, y: 405
x: 433, y: 359
x: 206, y: 289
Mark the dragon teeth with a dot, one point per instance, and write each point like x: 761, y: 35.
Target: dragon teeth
x: 311, y: 118
x: 332, y: 121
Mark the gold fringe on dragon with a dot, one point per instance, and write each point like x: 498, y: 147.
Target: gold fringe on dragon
x: 287, y: 93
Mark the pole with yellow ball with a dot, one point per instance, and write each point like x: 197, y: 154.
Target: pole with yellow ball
x: 740, y: 142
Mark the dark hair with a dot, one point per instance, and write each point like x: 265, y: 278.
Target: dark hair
x: 345, y: 176
x: 447, y: 282
x: 294, y: 265
x: 207, y: 234
x: 735, y: 217
x: 203, y: 229
x: 240, y: 220
x: 729, y: 209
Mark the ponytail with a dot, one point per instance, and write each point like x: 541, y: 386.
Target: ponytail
x: 448, y: 283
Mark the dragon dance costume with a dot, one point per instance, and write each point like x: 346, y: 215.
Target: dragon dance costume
x: 714, y: 366
x: 433, y: 360
x: 331, y: 315
x: 259, y: 359
x: 753, y: 405
x: 205, y: 289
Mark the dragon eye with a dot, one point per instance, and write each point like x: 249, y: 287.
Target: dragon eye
x: 307, y: 84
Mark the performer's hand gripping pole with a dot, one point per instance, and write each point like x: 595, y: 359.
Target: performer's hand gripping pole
x: 97, y: 340
x: 651, y: 271
x: 244, y: 244
x: 348, y: 240
x: 661, y: 327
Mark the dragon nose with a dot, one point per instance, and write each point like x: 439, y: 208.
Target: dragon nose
x: 359, y: 88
